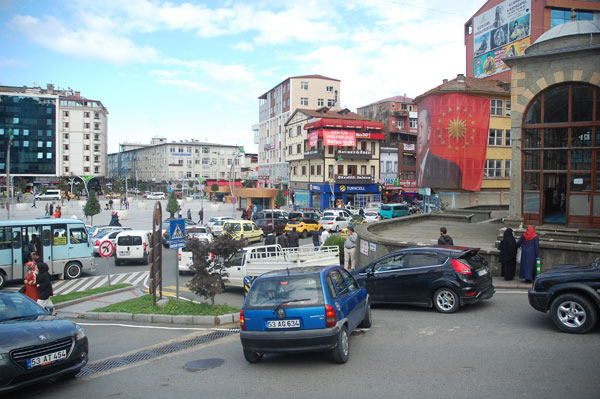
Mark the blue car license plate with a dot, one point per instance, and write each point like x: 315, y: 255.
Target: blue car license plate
x: 290, y: 323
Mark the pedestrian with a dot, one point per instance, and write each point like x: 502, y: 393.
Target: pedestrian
x: 51, y: 209
x: 114, y: 219
x: 244, y: 214
x: 293, y: 239
x: 46, y: 208
x: 282, y: 240
x: 33, y: 203
x: 31, y: 289
x: 316, y: 239
x: 530, y: 253
x: 508, y: 255
x: 44, y: 285
x: 35, y: 256
x: 445, y: 239
x: 361, y: 212
x: 324, y: 236
x: 249, y: 212
x: 270, y: 240
x: 189, y: 214
x: 201, y: 216
x: 110, y: 204
x: 350, y: 248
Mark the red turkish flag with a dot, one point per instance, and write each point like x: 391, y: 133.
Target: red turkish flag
x: 459, y: 133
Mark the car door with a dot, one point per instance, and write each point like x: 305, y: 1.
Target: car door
x: 344, y: 303
x: 357, y: 300
x: 247, y: 231
x: 421, y: 270
x: 384, y: 278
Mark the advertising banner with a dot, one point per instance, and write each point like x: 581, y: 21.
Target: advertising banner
x: 502, y: 31
x: 313, y: 138
x: 343, y: 138
x: 452, y: 141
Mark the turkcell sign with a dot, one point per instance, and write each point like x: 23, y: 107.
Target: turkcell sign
x: 177, y: 234
x: 356, y: 188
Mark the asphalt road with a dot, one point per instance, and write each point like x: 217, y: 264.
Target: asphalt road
x: 498, y: 348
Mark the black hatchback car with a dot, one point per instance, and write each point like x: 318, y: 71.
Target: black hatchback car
x: 34, y: 345
x: 443, y: 277
x: 572, y: 295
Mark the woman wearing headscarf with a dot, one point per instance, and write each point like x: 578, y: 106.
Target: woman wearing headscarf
x: 44, y: 284
x: 508, y: 255
x: 30, y: 282
x: 530, y: 252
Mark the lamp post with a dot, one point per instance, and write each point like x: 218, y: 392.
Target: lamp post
x: 232, y: 178
x: 8, y: 185
x: 331, y: 181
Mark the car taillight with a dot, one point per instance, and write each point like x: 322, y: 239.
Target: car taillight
x: 212, y: 257
x: 242, y: 321
x: 330, y: 319
x: 300, y: 226
x: 145, y: 245
x: 179, y: 257
x: 460, y: 267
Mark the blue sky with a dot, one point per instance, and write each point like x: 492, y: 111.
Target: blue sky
x: 194, y: 69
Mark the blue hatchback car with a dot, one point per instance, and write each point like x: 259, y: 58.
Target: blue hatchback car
x: 303, y: 309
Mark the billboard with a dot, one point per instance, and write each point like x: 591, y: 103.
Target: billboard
x: 452, y: 141
x: 342, y: 138
x: 502, y: 31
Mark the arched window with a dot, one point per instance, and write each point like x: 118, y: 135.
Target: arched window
x: 561, y: 156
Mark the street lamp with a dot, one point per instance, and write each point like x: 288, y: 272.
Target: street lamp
x: 8, y: 186
x: 232, y: 178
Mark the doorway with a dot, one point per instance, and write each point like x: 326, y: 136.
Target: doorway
x: 555, y: 194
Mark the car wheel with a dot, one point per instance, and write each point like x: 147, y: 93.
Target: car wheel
x: 342, y: 351
x: 367, y: 321
x: 445, y: 300
x: 72, y: 271
x: 252, y: 357
x: 573, y: 313
x: 304, y: 234
x: 2, y: 280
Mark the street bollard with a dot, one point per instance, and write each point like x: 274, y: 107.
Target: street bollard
x: 247, y: 284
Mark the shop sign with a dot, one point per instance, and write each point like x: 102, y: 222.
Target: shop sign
x: 343, y: 138
x: 409, y: 147
x: 370, y: 135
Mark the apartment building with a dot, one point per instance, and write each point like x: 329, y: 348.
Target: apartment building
x: 333, y: 157
x: 164, y: 163
x: 506, y: 28
x: 275, y: 108
x: 56, y: 133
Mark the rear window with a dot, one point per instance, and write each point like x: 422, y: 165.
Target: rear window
x: 129, y: 240
x: 269, y: 292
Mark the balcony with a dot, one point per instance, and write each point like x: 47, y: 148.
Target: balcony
x: 400, y: 113
x: 353, y: 154
x: 351, y: 179
x: 314, y: 154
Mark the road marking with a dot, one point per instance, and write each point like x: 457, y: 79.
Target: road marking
x: 160, y: 327
x: 67, y: 286
x: 118, y: 278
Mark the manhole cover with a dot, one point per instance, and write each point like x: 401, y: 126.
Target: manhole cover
x: 203, y: 364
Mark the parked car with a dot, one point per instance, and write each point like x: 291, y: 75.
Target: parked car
x: 106, y: 235
x: 35, y: 345
x: 266, y: 225
x: 335, y: 223
x: 243, y: 229
x: 303, y: 309
x: 304, y: 214
x: 371, y: 216
x: 443, y: 277
x: 211, y: 222
x: 198, y: 232
x: 304, y: 226
x: 572, y: 295
x: 132, y: 245
x: 96, y: 230
x: 270, y: 214
x: 155, y: 196
x: 338, y: 212
x: 49, y: 195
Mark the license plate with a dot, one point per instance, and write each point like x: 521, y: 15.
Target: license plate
x: 291, y: 323
x: 482, y: 272
x: 46, y: 359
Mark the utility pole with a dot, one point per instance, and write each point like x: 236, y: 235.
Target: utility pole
x: 8, y: 185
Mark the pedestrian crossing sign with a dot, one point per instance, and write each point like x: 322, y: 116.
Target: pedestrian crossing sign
x: 177, y: 234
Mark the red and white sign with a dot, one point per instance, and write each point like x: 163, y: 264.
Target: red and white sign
x: 106, y: 249
x: 313, y: 138
x: 370, y: 136
x: 343, y: 138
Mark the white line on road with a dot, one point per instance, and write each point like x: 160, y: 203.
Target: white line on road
x: 92, y: 281
x: 158, y: 327
x: 117, y: 277
x: 72, y: 287
x: 138, y: 279
x: 132, y: 276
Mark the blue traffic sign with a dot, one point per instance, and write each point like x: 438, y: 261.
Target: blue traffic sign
x: 177, y: 234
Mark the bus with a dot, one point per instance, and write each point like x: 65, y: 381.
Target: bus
x: 61, y: 243
x: 390, y: 211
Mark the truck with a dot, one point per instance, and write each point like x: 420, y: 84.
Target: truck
x: 254, y: 261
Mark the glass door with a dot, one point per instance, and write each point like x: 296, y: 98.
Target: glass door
x: 554, y: 200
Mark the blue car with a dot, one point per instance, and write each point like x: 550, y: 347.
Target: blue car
x: 303, y: 309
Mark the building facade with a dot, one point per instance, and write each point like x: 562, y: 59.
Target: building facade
x: 334, y: 158
x: 168, y: 163
x: 505, y: 28
x: 556, y: 128
x: 275, y: 108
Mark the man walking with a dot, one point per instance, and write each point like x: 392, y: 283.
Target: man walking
x: 33, y: 204
x: 349, y: 248
x: 293, y: 239
x: 445, y: 239
x: 201, y: 216
x: 282, y: 240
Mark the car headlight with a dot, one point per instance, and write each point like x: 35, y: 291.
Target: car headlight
x: 3, y: 356
x: 80, y: 334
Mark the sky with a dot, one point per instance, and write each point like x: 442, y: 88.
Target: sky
x: 195, y: 69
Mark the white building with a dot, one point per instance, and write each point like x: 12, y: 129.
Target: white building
x: 275, y: 108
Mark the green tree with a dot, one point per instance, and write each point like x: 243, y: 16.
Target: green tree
x: 172, y: 205
x: 178, y: 186
x: 279, y: 199
x: 117, y: 186
x: 22, y: 185
x: 63, y: 184
x: 92, y: 206
x: 214, y: 187
x: 209, y: 275
x: 142, y: 186
x: 339, y: 241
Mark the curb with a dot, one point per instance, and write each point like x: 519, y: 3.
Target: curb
x: 187, y: 320
x: 91, y: 297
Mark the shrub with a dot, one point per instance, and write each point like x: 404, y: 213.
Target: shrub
x: 339, y: 241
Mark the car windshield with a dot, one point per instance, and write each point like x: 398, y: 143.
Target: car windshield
x: 294, y: 222
x: 199, y: 230
x: 16, y: 306
x: 271, y: 292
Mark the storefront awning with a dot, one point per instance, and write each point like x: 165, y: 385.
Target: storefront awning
x: 345, y: 123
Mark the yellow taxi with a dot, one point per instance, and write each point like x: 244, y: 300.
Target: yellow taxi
x: 243, y: 229
x: 304, y: 226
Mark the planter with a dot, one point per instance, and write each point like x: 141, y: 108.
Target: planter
x: 122, y: 214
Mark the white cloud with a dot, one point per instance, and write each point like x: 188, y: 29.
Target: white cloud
x: 243, y: 46
x: 53, y: 34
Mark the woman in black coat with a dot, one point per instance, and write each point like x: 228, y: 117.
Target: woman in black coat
x: 44, y: 284
x: 508, y: 255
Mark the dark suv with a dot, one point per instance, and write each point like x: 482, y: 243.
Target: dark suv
x: 572, y: 295
x: 265, y: 221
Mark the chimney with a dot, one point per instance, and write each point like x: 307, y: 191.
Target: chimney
x: 460, y: 77
x: 444, y: 81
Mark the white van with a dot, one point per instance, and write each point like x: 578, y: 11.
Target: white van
x: 51, y: 195
x: 132, y: 245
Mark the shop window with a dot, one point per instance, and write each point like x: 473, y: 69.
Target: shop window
x: 581, y: 159
x: 556, y: 104
x: 556, y: 138
x: 581, y: 137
